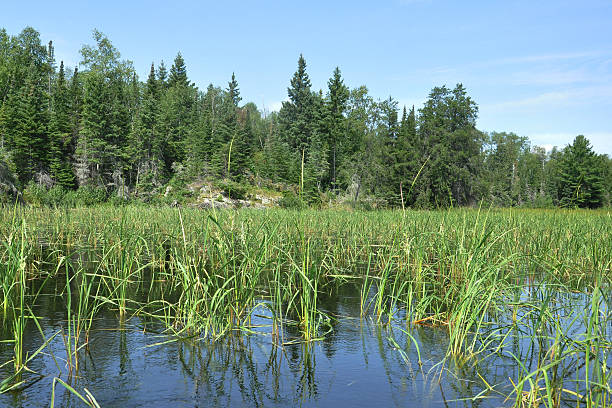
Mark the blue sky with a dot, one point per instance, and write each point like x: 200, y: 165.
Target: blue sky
x: 542, y: 69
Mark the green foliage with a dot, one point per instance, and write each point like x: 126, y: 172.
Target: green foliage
x: 290, y: 200
x: 35, y: 194
x: 453, y: 144
x: 581, y: 176
x: 60, y: 129
x: 103, y: 127
x: 233, y: 190
x: 86, y: 196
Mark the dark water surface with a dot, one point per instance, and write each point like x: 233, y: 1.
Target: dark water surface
x: 357, y: 364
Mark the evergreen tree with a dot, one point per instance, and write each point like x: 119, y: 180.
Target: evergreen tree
x: 316, y: 168
x: 76, y: 106
x: 296, y: 115
x: 60, y: 133
x: 581, y: 176
x: 337, y: 98
x: 233, y: 91
x: 502, y: 168
x: 178, y: 73
x: 147, y: 143
x: 447, y: 127
x: 241, y: 159
x: 162, y: 76
x: 102, y: 149
x: 178, y: 114
x: 93, y: 144
x: 30, y: 139
x: 406, y: 158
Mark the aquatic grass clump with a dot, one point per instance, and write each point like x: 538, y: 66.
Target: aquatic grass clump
x: 203, y: 275
x: 573, y: 354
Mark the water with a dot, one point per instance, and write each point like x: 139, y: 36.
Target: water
x: 357, y: 364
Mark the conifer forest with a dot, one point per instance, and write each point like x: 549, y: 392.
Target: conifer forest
x: 102, y: 133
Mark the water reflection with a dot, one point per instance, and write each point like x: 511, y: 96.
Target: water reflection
x: 359, y: 363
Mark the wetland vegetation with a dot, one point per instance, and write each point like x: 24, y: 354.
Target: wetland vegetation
x: 517, y: 300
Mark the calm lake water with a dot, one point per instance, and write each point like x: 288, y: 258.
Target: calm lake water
x: 359, y: 363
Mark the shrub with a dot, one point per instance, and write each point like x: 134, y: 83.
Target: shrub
x: 233, y: 190
x: 55, y: 196
x: 89, y: 195
x: 291, y: 200
x: 35, y: 194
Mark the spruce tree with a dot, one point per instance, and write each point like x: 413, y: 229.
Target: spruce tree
x: 162, y: 76
x: 406, y: 158
x: 178, y: 114
x: 30, y: 138
x: 178, y: 72
x: 296, y: 114
x: 337, y: 98
x: 92, y: 145
x: 234, y: 91
x: 60, y: 133
x: 581, y: 174
x: 147, y: 143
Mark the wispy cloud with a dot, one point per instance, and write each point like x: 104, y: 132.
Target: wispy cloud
x: 554, y: 68
x: 574, y: 96
x: 551, y: 77
x: 275, y: 106
x: 545, y: 57
x: 601, y: 141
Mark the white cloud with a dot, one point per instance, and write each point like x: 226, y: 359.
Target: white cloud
x: 275, y: 106
x: 601, y: 141
x: 547, y: 147
x: 575, y: 96
x: 545, y: 57
x: 551, y: 77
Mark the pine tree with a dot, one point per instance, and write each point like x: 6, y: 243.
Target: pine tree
x: 234, y: 91
x: 337, y: 98
x: 162, y: 77
x: 147, y: 143
x: 91, y: 149
x: 296, y: 114
x: 60, y: 134
x: 30, y: 139
x: 581, y: 175
x: 178, y: 72
x: 447, y: 128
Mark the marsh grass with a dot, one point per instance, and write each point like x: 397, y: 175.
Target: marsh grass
x: 201, y: 275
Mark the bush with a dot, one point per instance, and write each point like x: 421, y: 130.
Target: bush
x: 35, y: 194
x: 118, y: 201
x: 88, y: 195
x: 233, y: 190
x: 55, y: 196
x: 541, y: 201
x: 179, y: 195
x: 291, y: 200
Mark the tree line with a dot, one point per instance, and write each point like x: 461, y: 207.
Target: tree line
x: 102, y: 127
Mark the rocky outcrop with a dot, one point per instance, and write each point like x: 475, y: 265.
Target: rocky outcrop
x: 211, y: 197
